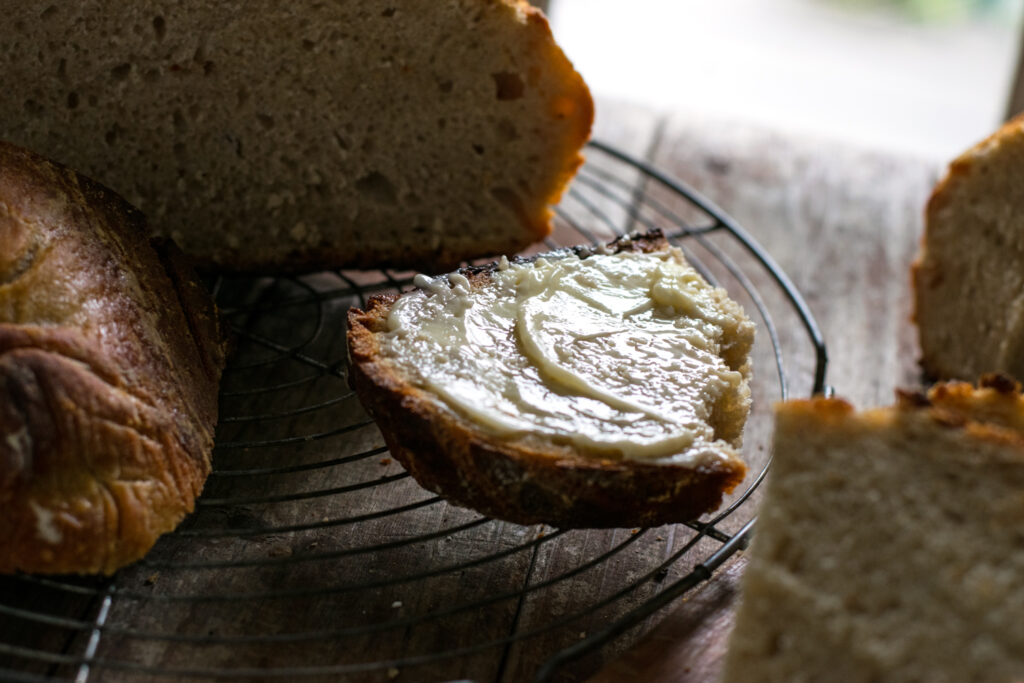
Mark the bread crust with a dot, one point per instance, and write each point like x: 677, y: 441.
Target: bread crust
x: 300, y: 136
x: 992, y: 410
x: 110, y: 357
x: 519, y: 480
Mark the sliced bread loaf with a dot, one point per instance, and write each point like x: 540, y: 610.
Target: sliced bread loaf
x: 969, y: 276
x: 297, y: 135
x: 890, y: 543
x: 582, y: 388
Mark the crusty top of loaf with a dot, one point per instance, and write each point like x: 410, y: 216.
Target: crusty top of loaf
x: 78, y: 271
x: 306, y: 134
x: 109, y: 362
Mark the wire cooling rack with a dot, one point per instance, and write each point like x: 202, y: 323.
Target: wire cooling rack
x: 313, y: 556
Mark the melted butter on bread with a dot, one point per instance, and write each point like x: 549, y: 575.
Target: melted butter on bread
x: 626, y: 355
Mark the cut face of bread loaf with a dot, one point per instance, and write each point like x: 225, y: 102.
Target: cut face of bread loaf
x: 297, y: 135
x: 109, y: 365
x: 587, y: 388
x: 969, y: 276
x: 890, y: 543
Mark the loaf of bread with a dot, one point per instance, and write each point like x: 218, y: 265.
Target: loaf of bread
x: 584, y: 388
x: 969, y: 276
x: 890, y: 543
x: 297, y: 135
x: 109, y: 364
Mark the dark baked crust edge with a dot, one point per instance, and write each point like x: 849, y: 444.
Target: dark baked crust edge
x: 514, y: 481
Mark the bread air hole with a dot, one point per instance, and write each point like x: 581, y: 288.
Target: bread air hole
x: 113, y: 134
x: 376, y: 187
x: 120, y: 72
x: 159, y: 28
x: 509, y: 85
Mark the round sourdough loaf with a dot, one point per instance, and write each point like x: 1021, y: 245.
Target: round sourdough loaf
x: 109, y: 363
x: 289, y: 136
x: 487, y: 449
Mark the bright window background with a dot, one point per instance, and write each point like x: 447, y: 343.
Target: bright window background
x: 927, y: 77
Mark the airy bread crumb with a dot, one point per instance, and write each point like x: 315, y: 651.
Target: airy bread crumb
x: 298, y: 135
x: 969, y: 276
x: 890, y: 543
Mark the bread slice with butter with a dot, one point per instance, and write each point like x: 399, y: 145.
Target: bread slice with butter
x: 584, y: 388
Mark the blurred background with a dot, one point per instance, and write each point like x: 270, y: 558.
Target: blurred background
x: 924, y: 77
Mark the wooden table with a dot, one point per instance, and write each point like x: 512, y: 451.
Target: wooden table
x: 292, y: 558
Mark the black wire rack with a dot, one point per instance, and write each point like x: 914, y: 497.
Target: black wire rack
x: 313, y: 556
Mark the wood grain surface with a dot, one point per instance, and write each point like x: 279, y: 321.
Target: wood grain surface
x: 291, y: 555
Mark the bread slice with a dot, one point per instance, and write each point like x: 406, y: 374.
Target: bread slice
x: 109, y: 363
x: 890, y: 543
x: 584, y: 388
x: 299, y: 135
x: 969, y: 276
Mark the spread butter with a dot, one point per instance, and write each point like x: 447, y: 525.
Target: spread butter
x: 615, y: 354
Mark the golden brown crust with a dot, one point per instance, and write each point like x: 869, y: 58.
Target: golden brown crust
x: 574, y: 105
x: 512, y: 479
x: 992, y: 410
x: 110, y: 358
